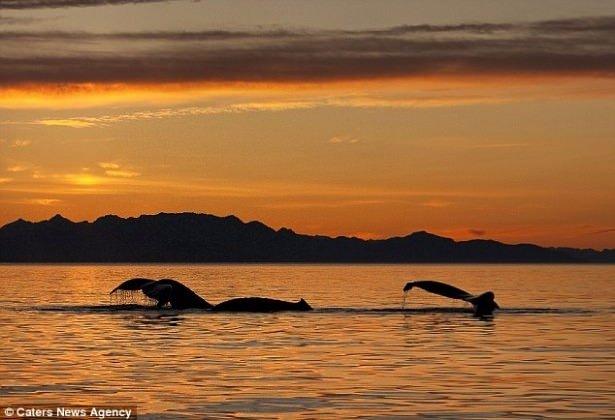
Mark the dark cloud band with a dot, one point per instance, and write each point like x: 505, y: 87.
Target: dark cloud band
x: 585, y: 27
x: 571, y: 47
x: 43, y: 4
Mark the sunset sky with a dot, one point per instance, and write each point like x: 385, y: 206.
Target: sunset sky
x: 473, y: 119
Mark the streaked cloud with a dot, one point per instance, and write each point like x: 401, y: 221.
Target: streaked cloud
x: 116, y: 170
x: 42, y: 201
x: 298, y: 204
x: 427, y: 99
x: 14, y: 20
x: 17, y: 168
x: 437, y: 204
x: 108, y: 165
x: 582, y: 46
x: 86, y: 178
x: 122, y: 173
x: 603, y: 231
x: 497, y: 145
x: 477, y: 232
x: 344, y: 139
x: 90, y: 182
x: 68, y: 122
x: 86, y: 122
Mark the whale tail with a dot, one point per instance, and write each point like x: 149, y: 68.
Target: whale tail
x: 158, y: 291
x: 132, y: 284
x: 165, y: 291
x: 484, y: 304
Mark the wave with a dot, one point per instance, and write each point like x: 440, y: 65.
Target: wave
x: 121, y: 308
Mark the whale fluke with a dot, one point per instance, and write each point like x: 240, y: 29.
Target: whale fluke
x: 133, y: 284
x: 484, y: 304
x: 166, y: 291
x: 160, y: 292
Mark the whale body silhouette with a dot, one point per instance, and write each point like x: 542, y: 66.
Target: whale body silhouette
x: 179, y: 296
x: 259, y: 304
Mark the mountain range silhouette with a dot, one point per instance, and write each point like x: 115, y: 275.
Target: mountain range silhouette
x: 191, y: 237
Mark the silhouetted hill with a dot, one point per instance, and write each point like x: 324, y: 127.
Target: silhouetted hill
x: 189, y: 237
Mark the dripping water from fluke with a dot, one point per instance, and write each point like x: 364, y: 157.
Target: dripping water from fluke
x: 129, y: 297
x: 403, y: 301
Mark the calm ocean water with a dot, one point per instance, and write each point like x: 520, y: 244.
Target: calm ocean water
x: 550, y: 351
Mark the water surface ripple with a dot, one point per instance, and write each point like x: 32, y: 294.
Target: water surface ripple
x: 549, y: 353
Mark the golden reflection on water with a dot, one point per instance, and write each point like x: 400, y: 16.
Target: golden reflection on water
x: 549, y: 352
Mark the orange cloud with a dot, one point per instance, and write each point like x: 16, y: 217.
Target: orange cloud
x: 122, y: 173
x: 344, y: 139
x: 74, y: 123
x: 21, y: 143
x: 17, y: 168
x: 108, y: 165
x: 436, y: 204
x: 43, y: 201
x: 180, y: 100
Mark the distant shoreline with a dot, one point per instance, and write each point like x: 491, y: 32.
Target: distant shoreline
x: 190, y: 238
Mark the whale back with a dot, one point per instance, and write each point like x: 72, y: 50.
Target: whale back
x: 260, y: 304
x: 182, y: 297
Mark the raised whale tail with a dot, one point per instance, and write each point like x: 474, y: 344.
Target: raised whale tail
x: 165, y: 291
x: 484, y: 304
